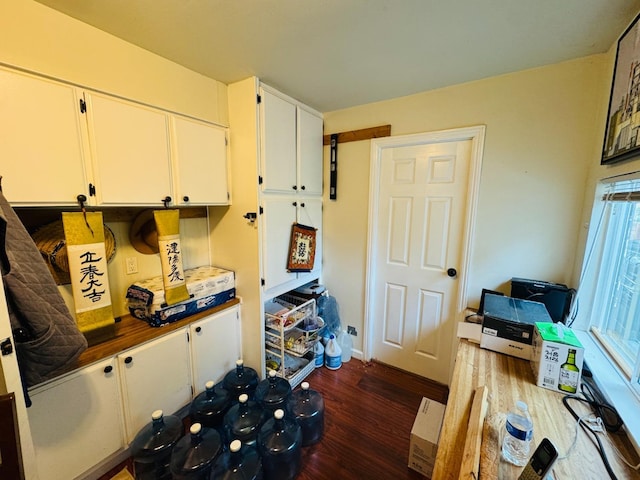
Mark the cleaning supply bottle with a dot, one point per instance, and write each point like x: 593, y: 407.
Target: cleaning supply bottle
x: 307, y: 406
x: 318, y: 353
x: 332, y: 354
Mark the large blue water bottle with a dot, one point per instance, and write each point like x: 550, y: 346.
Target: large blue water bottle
x: 241, y: 380
x: 210, y: 406
x: 307, y: 406
x: 240, y: 462
x: 194, y: 455
x: 151, y: 448
x: 273, y: 392
x: 280, y: 445
x: 243, y: 420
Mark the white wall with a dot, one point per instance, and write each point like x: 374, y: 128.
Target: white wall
x: 544, y: 129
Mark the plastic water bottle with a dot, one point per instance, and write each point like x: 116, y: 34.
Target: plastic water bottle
x: 210, y: 406
x: 280, y: 446
x: 152, y: 447
x: 307, y: 406
x: 241, y: 380
x: 318, y: 354
x: 518, y: 435
x: 332, y: 354
x: 273, y: 392
x: 243, y: 420
x: 346, y: 344
x: 194, y: 455
x: 240, y: 462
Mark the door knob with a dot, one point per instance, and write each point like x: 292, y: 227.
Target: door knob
x: 452, y: 272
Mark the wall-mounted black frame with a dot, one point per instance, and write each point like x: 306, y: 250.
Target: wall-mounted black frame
x: 622, y: 135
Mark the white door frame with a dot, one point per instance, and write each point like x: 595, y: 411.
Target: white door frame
x: 378, y: 145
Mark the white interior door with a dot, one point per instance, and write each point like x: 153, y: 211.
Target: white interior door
x: 420, y: 217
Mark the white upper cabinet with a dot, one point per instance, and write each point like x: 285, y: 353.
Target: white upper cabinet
x: 291, y: 145
x: 310, y: 127
x: 130, y: 151
x: 41, y: 141
x: 200, y: 169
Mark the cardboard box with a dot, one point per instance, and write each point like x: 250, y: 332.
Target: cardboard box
x: 552, y: 344
x: 508, y: 324
x: 423, y: 445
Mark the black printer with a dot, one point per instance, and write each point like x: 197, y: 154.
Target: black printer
x: 557, y: 297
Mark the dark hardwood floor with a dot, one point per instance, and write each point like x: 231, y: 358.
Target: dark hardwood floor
x: 369, y: 412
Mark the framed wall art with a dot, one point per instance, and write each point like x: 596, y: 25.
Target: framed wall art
x: 621, y: 139
x: 302, y: 249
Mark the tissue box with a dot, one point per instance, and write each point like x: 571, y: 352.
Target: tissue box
x: 557, y: 358
x: 423, y: 443
x: 208, y: 287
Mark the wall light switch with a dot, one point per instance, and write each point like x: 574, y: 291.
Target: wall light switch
x: 132, y: 265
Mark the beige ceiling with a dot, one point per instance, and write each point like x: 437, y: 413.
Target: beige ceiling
x: 334, y: 54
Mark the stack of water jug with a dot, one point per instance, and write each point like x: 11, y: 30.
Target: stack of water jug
x: 243, y: 428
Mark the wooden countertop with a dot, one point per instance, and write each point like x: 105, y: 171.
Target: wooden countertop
x: 131, y: 331
x: 509, y: 379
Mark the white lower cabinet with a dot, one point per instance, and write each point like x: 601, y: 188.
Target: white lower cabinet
x: 155, y: 375
x: 76, y: 422
x: 215, y: 346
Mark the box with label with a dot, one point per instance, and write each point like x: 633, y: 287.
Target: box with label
x: 557, y: 358
x: 423, y: 445
x: 508, y: 324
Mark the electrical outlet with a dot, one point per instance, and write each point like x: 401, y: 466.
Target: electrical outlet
x: 352, y: 331
x: 132, y: 265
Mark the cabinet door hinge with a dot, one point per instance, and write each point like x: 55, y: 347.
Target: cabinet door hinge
x: 188, y: 337
x: 262, y: 282
x: 226, y: 141
x: 258, y: 98
x: 259, y: 179
x: 83, y: 106
x: 261, y: 210
x: 92, y: 190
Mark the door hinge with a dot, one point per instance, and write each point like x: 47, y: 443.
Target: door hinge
x: 83, y: 106
x: 261, y: 210
x: 188, y: 337
x: 6, y: 347
x: 92, y: 190
x: 258, y: 98
x: 226, y: 141
x: 262, y: 282
x: 259, y: 179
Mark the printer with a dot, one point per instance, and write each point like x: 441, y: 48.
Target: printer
x: 508, y: 324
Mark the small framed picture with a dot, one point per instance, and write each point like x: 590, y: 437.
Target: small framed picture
x: 621, y: 139
x: 302, y: 248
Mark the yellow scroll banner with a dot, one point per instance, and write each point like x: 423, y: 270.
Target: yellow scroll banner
x: 173, y: 279
x: 84, y: 235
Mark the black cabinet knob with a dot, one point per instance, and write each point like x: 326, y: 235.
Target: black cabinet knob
x: 302, y: 187
x: 166, y: 200
x: 302, y: 204
x: 108, y: 369
x: 198, y: 329
x: 295, y: 204
x: 295, y: 187
x: 185, y: 198
x: 128, y: 360
x: 452, y: 272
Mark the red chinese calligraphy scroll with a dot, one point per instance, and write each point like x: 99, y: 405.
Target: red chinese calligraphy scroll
x: 302, y: 248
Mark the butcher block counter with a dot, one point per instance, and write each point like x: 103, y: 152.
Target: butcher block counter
x: 509, y: 379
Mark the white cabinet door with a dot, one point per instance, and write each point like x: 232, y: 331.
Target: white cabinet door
x: 216, y: 344
x: 41, y: 141
x: 309, y: 153
x: 155, y: 375
x: 310, y: 213
x: 130, y: 151
x: 278, y: 215
x: 76, y: 421
x: 200, y: 171
x: 278, y: 144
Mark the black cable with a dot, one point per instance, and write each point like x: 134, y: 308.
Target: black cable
x: 599, y: 446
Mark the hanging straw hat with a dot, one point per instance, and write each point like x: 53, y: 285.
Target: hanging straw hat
x: 52, y: 245
x: 143, y: 234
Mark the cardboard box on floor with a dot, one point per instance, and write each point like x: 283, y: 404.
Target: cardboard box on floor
x: 423, y: 444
